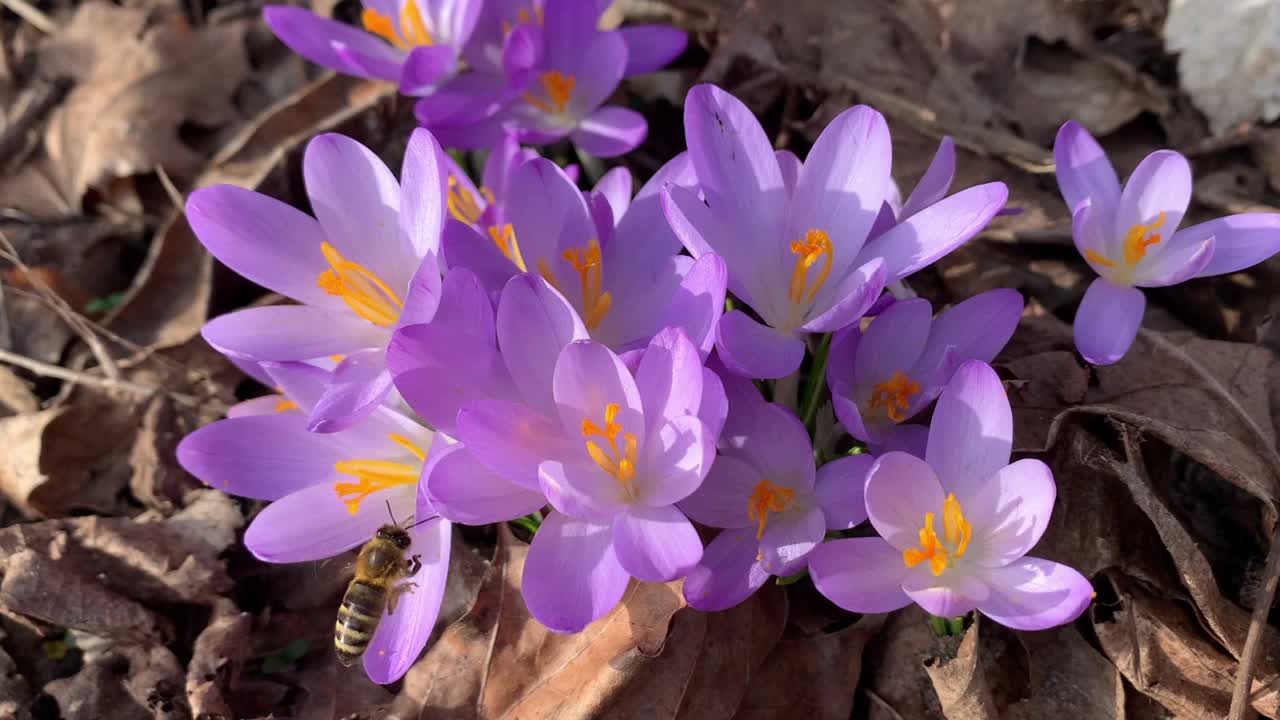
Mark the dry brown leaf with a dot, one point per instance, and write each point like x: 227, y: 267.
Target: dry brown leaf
x: 15, y: 692
x: 221, y: 647
x: 136, y: 82
x: 896, y: 678
x: 960, y: 682
x: 95, y: 693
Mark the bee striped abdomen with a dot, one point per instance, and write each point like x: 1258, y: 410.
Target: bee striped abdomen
x: 358, y: 618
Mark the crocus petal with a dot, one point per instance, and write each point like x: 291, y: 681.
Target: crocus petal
x: 1009, y: 512
x: 313, y: 37
x: 1035, y: 594
x: 509, y: 438
x: 703, y: 232
x: 840, y: 490
x: 313, y: 523
x: 862, y: 575
x: 1090, y: 236
x: 291, y: 332
x: 357, y: 201
x: 264, y: 405
x: 1107, y: 321
x: 656, y: 544
x: 727, y: 574
x: 1161, y: 184
x: 263, y: 239
x: 548, y: 213
x: 438, y: 368
x: 572, y: 576
x: 892, y: 343
x: 935, y: 183
x: 977, y: 329
x: 422, y: 299
x: 789, y: 538
x: 464, y: 490
x: 936, y: 230
x: 677, y: 457
x: 357, y: 60
x: 778, y: 445
x: 754, y: 350
x: 588, y: 377
x: 972, y: 430
x: 535, y: 324
x: 790, y: 166
x: 610, y: 131
x: 840, y: 379
x: 853, y: 297
x: 466, y: 247
x: 615, y: 187
x: 425, y: 67
x: 581, y: 491
x: 698, y: 304
x: 262, y: 456
x: 901, y: 490
x: 423, y: 180
x: 1174, y: 264
x: 1083, y: 170
x: 403, y: 634
x: 949, y: 595
x: 1240, y: 241
x: 359, y: 384
x: 713, y: 408
x: 669, y: 377
x: 300, y: 382
x: 907, y: 438
x: 724, y: 496
x: 651, y: 47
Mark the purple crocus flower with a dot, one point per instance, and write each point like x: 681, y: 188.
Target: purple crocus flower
x: 1128, y: 237
x: 880, y: 378
x: 365, y: 265
x: 955, y: 527
x: 571, y: 68
x: 624, y: 279
x: 416, y: 43
x: 763, y: 488
x: 329, y: 494
x: 793, y: 236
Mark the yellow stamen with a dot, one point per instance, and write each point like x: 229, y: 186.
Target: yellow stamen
x: 590, y: 268
x: 1098, y: 259
x: 505, y: 239
x: 956, y: 534
x: 411, y: 33
x: 462, y: 204
x: 1136, y: 241
x: 558, y: 87
x: 376, y: 475
x: 284, y: 404
x: 620, y: 462
x: 364, y: 292
x: 895, y: 395
x: 337, y: 358
x: 816, y: 244
x: 767, y: 498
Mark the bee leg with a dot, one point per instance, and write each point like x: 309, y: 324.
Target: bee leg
x: 393, y: 596
x: 414, y: 565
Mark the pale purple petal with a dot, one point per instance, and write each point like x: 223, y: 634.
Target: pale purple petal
x: 936, y: 230
x: 724, y: 497
x: 1107, y: 321
x: 949, y: 595
x: 892, y: 343
x: 359, y: 384
x: 703, y: 232
x: 548, y: 213
x: 425, y: 67
x: 291, y: 332
x: 1035, y: 594
x: 884, y: 221
x: 314, y: 37
x: 1160, y: 185
x: 615, y: 187
x: 698, y: 303
x: 790, y: 166
x: 1084, y: 172
x: 789, y: 538
x: 313, y: 523
x: 264, y: 405
x: 977, y: 329
x: 855, y: 294
x: 1091, y: 238
x: 1240, y: 241
x: 910, y: 439
x: 971, y: 434
x: 862, y: 575
x: 728, y: 573
x: 935, y: 183
x: 1009, y: 512
x: 840, y: 490
x: 587, y: 378
x: 510, y: 439
x: 656, y: 544
x: 610, y: 131
x: 581, y: 491
x: 901, y: 490
x: 840, y: 379
x: 754, y: 350
x: 403, y: 634
x: 535, y: 324
x: 464, y: 490
x: 1174, y: 264
x: 301, y: 382
x: 713, y: 409
x: 357, y: 60
x: 778, y: 445
x: 422, y: 299
x: 572, y: 576
x: 731, y: 155
x: 423, y: 186
x: 651, y: 47
x: 669, y: 378
x: 466, y: 247
x: 676, y: 459
x: 262, y: 456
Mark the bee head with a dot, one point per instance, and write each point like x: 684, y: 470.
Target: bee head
x: 394, y: 534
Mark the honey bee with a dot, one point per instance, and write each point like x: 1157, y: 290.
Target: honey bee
x: 380, y: 565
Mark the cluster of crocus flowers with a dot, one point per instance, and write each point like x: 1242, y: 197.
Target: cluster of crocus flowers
x: 540, y: 68
x: 617, y: 364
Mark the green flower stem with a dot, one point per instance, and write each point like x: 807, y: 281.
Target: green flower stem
x: 815, y: 384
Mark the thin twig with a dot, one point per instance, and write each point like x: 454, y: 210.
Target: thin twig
x: 31, y: 14
x: 175, y: 197
x: 75, y: 376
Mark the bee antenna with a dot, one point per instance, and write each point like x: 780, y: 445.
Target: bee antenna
x: 393, y: 515
x: 417, y: 524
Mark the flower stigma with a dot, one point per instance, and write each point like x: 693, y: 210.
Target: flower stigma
x: 767, y: 498
x: 462, y: 204
x: 411, y: 33
x: 816, y: 245
x: 558, y: 88
x: 363, y: 291
x: 956, y: 535
x: 377, y: 475
x: 505, y: 239
x: 1136, y: 241
x: 620, y: 462
x: 895, y: 395
x: 589, y: 265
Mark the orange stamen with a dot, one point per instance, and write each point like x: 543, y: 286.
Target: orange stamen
x: 767, y: 498
x: 957, y: 532
x: 894, y: 395
x: 364, y: 292
x: 816, y: 244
